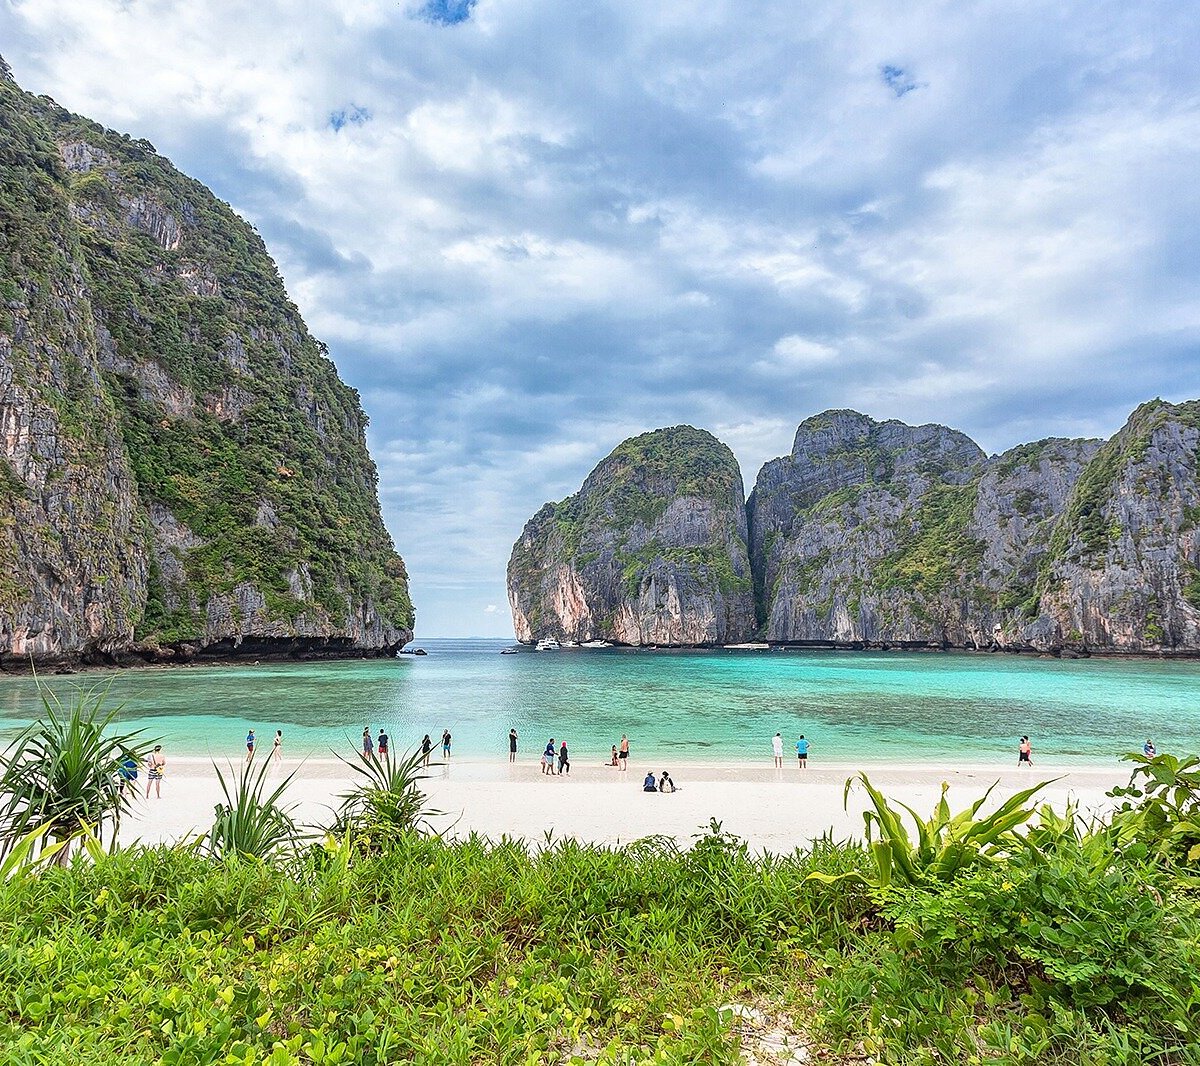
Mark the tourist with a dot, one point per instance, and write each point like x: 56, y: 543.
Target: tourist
x: 154, y: 766
x: 368, y: 745
x: 777, y: 750
x: 548, y: 757
x: 127, y: 772
x: 1148, y: 749
x: 615, y: 760
x: 426, y: 748
x: 445, y: 743
x: 802, y: 752
x: 277, y: 747
x: 250, y: 742
x: 382, y: 744
x: 564, y: 761
x: 1025, y: 753
x: 648, y: 785
x: 665, y: 784
x: 512, y: 745
x: 623, y: 753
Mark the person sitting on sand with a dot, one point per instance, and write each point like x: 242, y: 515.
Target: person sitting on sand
x: 615, y: 761
x: 665, y: 784
x: 1148, y: 749
x: 648, y: 785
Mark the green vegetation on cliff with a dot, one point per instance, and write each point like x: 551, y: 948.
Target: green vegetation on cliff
x: 230, y: 416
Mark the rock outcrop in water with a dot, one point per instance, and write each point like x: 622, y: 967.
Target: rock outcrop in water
x: 182, y: 470
x: 882, y: 534
x: 651, y: 550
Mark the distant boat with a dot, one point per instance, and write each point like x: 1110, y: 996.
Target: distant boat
x: 595, y: 644
x: 548, y: 644
x: 509, y: 651
x: 412, y: 651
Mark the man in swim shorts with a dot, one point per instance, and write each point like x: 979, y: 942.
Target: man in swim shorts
x: 802, y: 752
x: 623, y: 753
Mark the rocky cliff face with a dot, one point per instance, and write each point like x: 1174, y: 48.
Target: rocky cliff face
x: 182, y: 470
x: 651, y: 550
x: 1122, y: 571
x: 883, y: 534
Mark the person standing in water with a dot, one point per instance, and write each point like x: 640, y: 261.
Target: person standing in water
x: 777, y: 750
x: 802, y: 752
x: 446, y: 743
x: 250, y: 742
x: 382, y: 744
x: 277, y: 747
x: 154, y: 767
x: 368, y: 745
x: 1025, y: 753
x: 512, y: 745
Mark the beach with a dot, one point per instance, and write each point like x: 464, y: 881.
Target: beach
x: 773, y: 810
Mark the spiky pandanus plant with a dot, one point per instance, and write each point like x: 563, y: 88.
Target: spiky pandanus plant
x: 386, y: 800
x: 63, y: 773
x: 253, y: 823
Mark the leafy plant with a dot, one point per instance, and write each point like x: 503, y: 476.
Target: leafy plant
x: 251, y: 822
x: 386, y: 801
x: 63, y: 772
x: 946, y: 843
x: 1165, y: 820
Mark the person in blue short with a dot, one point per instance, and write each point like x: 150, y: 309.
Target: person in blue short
x: 446, y: 738
x: 802, y: 752
x: 250, y: 742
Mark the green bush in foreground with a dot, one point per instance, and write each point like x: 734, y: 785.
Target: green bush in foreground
x: 1074, y: 945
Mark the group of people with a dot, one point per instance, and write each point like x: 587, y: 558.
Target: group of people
x: 156, y: 763
x: 665, y: 784
x: 276, y: 746
x: 550, y: 756
x: 379, y: 746
x: 801, y: 751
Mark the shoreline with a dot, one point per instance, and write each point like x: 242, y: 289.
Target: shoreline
x: 772, y: 810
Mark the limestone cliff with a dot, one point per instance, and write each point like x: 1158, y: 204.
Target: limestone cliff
x: 182, y: 470
x: 1122, y: 572
x: 651, y: 550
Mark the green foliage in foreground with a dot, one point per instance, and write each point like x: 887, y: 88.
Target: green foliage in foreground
x: 1064, y: 944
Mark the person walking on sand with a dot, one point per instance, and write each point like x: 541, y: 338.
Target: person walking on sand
x: 512, y: 745
x: 277, y: 747
x: 802, y: 752
x: 1148, y: 749
x: 777, y: 750
x: 382, y: 744
x: 445, y: 743
x: 154, y: 771
x: 426, y: 748
x: 548, y: 758
x: 368, y: 745
x: 1025, y: 753
x: 564, y: 760
x: 127, y: 772
x: 250, y: 742
x: 623, y: 752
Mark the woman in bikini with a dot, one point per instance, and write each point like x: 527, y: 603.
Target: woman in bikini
x: 154, y: 766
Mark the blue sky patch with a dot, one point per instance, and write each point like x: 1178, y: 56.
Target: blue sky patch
x: 446, y: 12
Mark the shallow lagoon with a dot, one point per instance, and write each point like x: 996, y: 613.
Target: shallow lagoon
x: 855, y: 707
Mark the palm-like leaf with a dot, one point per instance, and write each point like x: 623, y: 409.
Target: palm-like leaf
x: 252, y: 823
x: 387, y: 799
x: 63, y: 771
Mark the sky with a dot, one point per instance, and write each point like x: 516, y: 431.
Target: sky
x: 528, y: 229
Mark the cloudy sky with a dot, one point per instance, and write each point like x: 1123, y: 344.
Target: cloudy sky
x: 528, y: 229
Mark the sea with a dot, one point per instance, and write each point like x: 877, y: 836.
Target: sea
x: 855, y: 708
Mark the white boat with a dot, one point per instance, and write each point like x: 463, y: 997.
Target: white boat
x: 548, y: 644
x: 595, y: 644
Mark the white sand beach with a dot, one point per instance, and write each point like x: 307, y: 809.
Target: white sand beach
x: 774, y: 810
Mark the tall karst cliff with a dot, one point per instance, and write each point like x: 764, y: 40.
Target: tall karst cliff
x: 651, y: 550
x: 182, y: 470
x: 879, y: 533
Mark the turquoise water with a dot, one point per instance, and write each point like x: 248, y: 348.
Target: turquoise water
x: 854, y: 707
